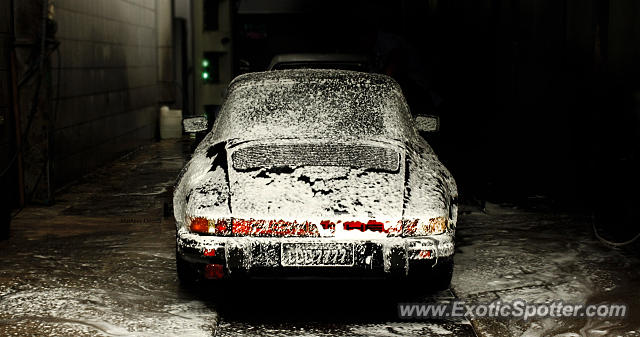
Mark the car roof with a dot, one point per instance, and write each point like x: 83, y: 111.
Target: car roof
x: 312, y: 75
x: 313, y: 103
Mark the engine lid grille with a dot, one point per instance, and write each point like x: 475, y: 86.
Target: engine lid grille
x: 293, y: 155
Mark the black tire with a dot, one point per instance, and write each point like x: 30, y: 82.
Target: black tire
x: 186, y: 274
x: 442, y: 273
x: 431, y: 279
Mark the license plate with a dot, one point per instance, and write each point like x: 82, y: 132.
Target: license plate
x: 301, y: 254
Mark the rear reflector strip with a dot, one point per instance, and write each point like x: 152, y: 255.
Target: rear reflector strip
x: 371, y: 225
x: 326, y: 228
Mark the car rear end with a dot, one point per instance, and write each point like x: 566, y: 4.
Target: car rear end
x: 240, y: 249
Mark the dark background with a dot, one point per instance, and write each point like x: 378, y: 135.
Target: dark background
x: 539, y: 99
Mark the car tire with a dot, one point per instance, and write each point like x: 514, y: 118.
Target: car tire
x: 441, y: 275
x: 186, y: 274
x: 431, y: 279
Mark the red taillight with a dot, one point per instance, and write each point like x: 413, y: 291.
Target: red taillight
x: 199, y: 225
x: 210, y: 252
x: 214, y: 227
x: 222, y: 227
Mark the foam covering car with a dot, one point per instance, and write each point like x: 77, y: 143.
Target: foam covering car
x: 315, y: 173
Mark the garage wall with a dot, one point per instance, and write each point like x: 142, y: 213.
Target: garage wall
x: 113, y: 56
x: 5, y: 130
x: 164, y: 36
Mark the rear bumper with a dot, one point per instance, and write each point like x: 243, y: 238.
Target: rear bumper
x: 255, y: 256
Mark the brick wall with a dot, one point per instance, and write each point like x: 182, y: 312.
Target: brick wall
x: 114, y: 72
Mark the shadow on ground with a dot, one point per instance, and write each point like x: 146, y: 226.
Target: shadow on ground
x: 320, y: 308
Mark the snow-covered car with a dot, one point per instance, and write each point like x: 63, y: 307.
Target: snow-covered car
x: 316, y: 173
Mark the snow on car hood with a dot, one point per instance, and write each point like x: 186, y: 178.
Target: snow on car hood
x: 313, y: 145
x: 344, y: 182
x: 367, y: 188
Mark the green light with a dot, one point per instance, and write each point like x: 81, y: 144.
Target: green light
x: 205, y: 75
x: 205, y: 63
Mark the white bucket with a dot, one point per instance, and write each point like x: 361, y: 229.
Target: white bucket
x: 170, y: 123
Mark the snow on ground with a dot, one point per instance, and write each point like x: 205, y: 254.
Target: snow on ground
x: 510, y: 254
x: 98, y: 263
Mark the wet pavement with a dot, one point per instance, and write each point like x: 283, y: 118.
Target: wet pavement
x: 540, y: 257
x: 101, y: 262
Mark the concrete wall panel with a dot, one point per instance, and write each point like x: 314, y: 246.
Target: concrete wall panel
x: 110, y: 85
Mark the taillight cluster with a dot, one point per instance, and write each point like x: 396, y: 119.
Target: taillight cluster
x: 206, y: 226
x: 418, y: 227
x: 281, y: 228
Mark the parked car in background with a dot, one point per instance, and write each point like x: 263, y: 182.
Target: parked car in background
x: 353, y: 62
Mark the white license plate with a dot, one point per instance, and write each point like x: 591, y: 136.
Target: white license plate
x: 302, y: 254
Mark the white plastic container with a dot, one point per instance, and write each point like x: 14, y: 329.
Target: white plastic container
x: 170, y: 123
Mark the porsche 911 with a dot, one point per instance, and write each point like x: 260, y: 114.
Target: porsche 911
x: 315, y: 173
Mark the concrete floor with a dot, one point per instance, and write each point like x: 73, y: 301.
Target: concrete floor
x: 101, y: 262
